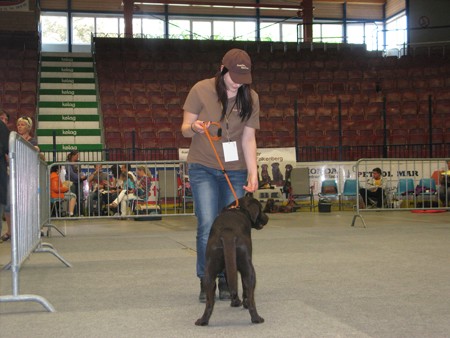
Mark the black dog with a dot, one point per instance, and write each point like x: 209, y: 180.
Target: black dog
x: 230, y: 247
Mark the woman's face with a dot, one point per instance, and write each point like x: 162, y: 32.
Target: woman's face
x: 23, y: 128
x: 232, y: 87
x: 75, y: 157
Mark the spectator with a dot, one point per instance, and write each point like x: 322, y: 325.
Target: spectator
x: 77, y: 178
x: 4, y: 149
x: 24, y: 126
x: 113, y: 188
x: 373, y: 193
x: 98, y: 181
x: 126, y: 194
x: 444, y: 186
x: 61, y: 190
x: 4, y: 117
x: 143, y: 182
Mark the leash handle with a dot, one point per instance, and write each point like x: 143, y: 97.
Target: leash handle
x: 216, y: 138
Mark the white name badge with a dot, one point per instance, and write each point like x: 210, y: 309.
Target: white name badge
x: 230, y: 151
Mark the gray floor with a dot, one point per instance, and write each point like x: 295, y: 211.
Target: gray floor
x: 317, y: 277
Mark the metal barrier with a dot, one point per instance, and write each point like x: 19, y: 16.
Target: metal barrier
x: 410, y: 184
x: 28, y: 184
x: 140, y: 190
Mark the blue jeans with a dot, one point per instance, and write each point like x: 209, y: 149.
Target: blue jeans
x: 211, y: 194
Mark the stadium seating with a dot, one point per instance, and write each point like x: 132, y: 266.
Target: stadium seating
x: 153, y: 77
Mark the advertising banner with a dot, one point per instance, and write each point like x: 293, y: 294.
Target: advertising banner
x: 14, y: 6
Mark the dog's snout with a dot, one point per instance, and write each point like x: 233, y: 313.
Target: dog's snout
x: 264, y: 218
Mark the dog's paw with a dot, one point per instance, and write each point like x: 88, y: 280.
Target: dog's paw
x: 236, y: 302
x: 201, y: 322
x: 257, y: 320
x: 245, y: 303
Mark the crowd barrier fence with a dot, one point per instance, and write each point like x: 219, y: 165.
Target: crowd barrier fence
x: 139, y: 190
x: 28, y: 184
x: 413, y: 185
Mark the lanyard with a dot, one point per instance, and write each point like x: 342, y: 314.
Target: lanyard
x: 226, y: 120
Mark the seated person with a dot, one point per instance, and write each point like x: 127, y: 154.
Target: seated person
x: 75, y: 175
x: 374, y: 190
x: 98, y: 181
x: 113, y: 187
x: 444, y: 186
x: 143, y: 182
x: 126, y: 194
x: 61, y: 190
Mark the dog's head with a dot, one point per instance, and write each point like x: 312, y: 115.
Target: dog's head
x: 255, y: 211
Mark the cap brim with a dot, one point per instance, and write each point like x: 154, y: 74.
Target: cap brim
x: 245, y: 78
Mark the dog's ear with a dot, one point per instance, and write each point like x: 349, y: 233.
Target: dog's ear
x: 253, y: 209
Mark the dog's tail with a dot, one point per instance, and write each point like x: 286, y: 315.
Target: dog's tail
x: 229, y: 249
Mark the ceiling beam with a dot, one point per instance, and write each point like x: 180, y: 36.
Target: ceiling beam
x: 280, y: 4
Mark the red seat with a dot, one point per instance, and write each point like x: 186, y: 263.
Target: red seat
x: 13, y: 86
x: 114, y: 144
x: 27, y: 97
x: 167, y: 139
x: 28, y: 109
x: 11, y: 98
x: 112, y: 136
x: 127, y: 123
x: 107, y: 98
x: 139, y: 98
x: 123, y: 98
x: 29, y: 86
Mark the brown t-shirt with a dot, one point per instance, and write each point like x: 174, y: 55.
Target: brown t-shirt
x: 203, y: 101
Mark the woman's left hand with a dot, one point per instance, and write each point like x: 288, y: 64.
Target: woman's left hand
x: 252, y: 184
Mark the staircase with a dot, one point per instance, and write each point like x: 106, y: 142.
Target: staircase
x: 68, y: 107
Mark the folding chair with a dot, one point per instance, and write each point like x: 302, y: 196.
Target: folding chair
x: 349, y: 193
x: 300, y: 186
x: 405, y: 192
x: 329, y: 190
x: 58, y: 207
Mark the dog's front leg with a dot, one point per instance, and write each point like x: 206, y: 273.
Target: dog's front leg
x: 210, y: 290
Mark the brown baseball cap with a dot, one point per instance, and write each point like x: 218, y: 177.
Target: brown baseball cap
x: 239, y: 65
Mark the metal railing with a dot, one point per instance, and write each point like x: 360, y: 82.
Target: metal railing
x: 130, y: 189
x: 425, y: 192
x: 28, y: 188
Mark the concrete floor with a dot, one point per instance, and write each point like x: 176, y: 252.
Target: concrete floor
x: 317, y: 277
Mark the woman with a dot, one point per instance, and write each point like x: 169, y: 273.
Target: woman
x: 76, y: 178
x: 60, y: 190
x: 24, y: 125
x: 228, y: 99
x: 143, y: 182
x: 125, y: 195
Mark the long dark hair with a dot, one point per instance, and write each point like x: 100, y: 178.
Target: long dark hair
x: 244, y: 101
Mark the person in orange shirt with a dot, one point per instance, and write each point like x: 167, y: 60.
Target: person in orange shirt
x: 61, y: 190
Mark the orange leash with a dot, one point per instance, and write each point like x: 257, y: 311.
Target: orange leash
x: 216, y: 138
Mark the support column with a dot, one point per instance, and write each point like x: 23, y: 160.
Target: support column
x: 307, y: 6
x: 128, y: 6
